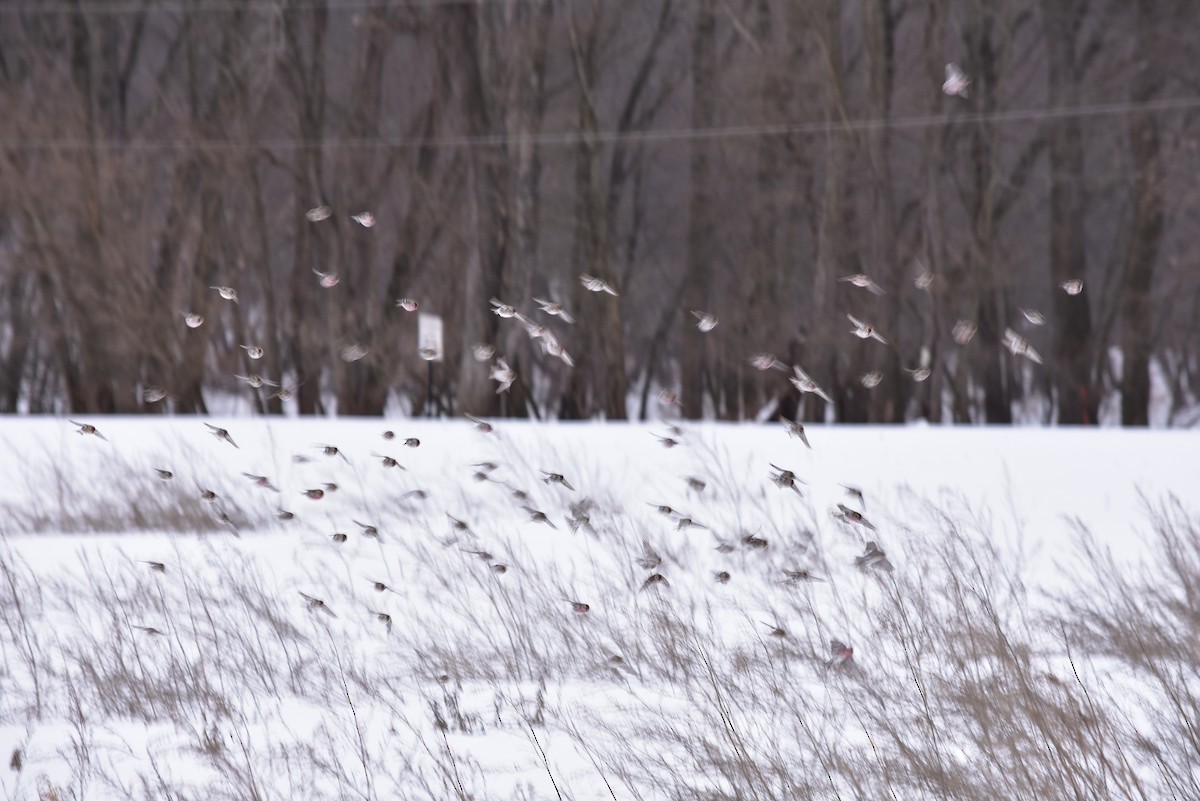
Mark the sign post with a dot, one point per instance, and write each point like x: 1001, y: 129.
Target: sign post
x: 429, y: 346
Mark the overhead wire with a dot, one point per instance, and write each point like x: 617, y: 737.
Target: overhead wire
x: 575, y: 137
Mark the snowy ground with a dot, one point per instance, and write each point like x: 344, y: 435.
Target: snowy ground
x: 487, y: 684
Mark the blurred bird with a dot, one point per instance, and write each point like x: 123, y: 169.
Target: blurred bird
x: 503, y: 374
x: 16, y: 762
x: 873, y: 558
x: 412, y: 442
x: 368, y: 531
x: 863, y: 281
x: 156, y: 567
x: 919, y: 374
x: 482, y: 426
x: 483, y: 555
x: 668, y: 398
x: 556, y: 478
x: 649, y: 558
x: 460, y: 525
x: 387, y: 460
x: 654, y: 580
x: 379, y: 586
x: 667, y: 442
x: 331, y: 451
x: 87, y: 428
x: 956, y: 82
x: 226, y: 292
x: 846, y: 514
x: 687, y: 522
x: 855, y: 493
x: 503, y: 309
x: 964, y: 332
x: 255, y: 380
x: 318, y: 214
x: 327, y: 280
x: 724, y: 546
x: 594, y: 284
x: 313, y: 494
x: 153, y: 394
x: 552, y: 347
x: 538, y: 516
x: 923, y: 278
x: 354, y: 352
x: 804, y: 383
x: 695, y: 484
x: 193, y: 319
x: 498, y: 568
x: 338, y: 536
x: 1072, y: 286
x: 364, y: 218
x: 224, y: 519
x: 841, y: 655
x: 253, y: 351
x: 754, y: 542
x: 765, y: 361
x: 777, y: 630
x: 208, y: 496
x: 284, y: 515
x: 707, y: 320
x: 482, y: 353
x: 663, y: 509
x: 872, y: 379
x: 261, y: 481
x: 165, y: 475
x: 408, y: 304
x: 785, y: 479
x: 222, y: 434
x: 1034, y: 316
x: 153, y: 632
x: 797, y: 576
x: 1019, y: 346
x: 863, y: 330
x: 795, y: 429
x: 578, y: 607
x: 722, y: 576
x: 580, y: 516
x: 554, y: 309
x: 317, y: 605
x: 384, y: 618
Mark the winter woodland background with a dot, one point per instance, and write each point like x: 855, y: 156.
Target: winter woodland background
x: 738, y: 156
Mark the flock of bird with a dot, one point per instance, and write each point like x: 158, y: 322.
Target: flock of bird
x: 566, y: 499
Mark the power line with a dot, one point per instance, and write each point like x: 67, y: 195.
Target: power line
x: 566, y: 138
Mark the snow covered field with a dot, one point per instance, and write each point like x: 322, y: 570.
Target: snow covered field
x: 1006, y: 655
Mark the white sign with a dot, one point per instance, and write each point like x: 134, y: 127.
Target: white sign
x: 429, y: 337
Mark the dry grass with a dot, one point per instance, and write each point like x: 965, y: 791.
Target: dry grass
x: 967, y: 685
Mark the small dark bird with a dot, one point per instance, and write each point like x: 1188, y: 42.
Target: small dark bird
x: 776, y: 629
x: 224, y: 518
x: 556, y: 478
x: 687, y: 522
x: 87, y: 428
x: 695, y: 484
x: 484, y: 555
x: 482, y: 426
x: 797, y: 576
x: 655, y: 580
x: 330, y: 486
x: 332, y: 450
x: 369, y: 531
x: 723, y: 546
x: 667, y: 442
x: 379, y: 586
x: 753, y: 542
x: 284, y: 514
x: 384, y: 618
x: 339, y: 537
x: 499, y: 569
x: 579, y: 608
x: 221, y: 433
x: 796, y: 429
x: 388, y: 461
x: 261, y: 481
x: 157, y: 567
x: 313, y: 494
x: 856, y: 493
x: 873, y: 558
x: 317, y: 605
x: 17, y: 762
x: 785, y: 479
x: 165, y: 475
x: 663, y: 509
x: 722, y: 576
x: 851, y: 516
x: 412, y: 442
x: 153, y: 632
x: 389, y: 434
x: 208, y: 495
x: 538, y: 516
x: 456, y: 524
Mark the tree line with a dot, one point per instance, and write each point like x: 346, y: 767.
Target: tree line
x: 738, y: 157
